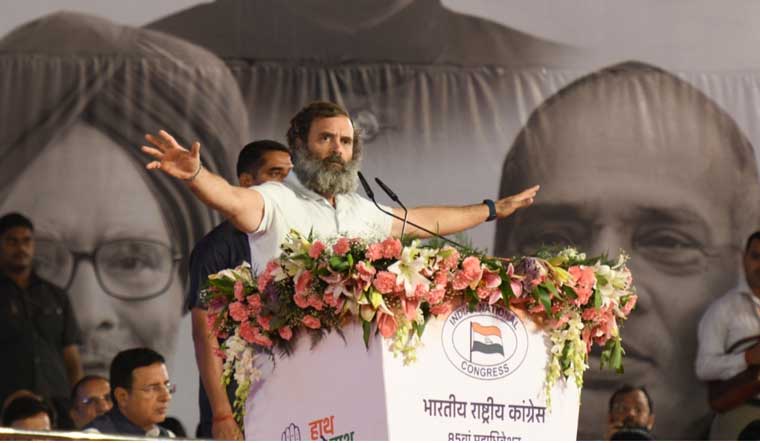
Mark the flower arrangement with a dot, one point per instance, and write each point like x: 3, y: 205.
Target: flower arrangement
x: 316, y: 286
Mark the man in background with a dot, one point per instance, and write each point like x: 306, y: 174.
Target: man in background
x: 142, y: 392
x: 729, y: 347
x: 90, y: 398
x: 223, y: 248
x: 38, y: 330
x: 631, y: 414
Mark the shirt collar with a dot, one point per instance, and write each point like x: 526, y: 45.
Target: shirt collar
x: 295, y: 184
x: 744, y: 288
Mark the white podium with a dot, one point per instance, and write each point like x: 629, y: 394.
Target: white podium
x: 478, y: 376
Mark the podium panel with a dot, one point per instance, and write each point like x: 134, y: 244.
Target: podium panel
x: 478, y: 376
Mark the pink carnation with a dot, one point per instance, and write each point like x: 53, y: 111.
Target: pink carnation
x: 248, y: 331
x: 385, y: 282
x: 266, y: 276
x: 472, y: 269
x: 421, y: 292
x: 303, y: 283
x: 316, y: 302
x: 254, y: 303
x: 238, y: 290
x: 584, y: 279
x: 286, y: 333
x: 342, y: 246
x: 238, y: 311
x: 630, y: 304
x: 386, y: 324
x: 441, y: 309
x: 375, y: 251
x: 460, y: 281
x: 316, y: 249
x: 311, y: 322
x: 436, y: 295
x: 441, y: 279
x: 301, y: 301
x: 392, y: 248
x: 264, y: 321
x: 452, y: 261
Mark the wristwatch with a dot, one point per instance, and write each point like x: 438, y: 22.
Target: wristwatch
x: 491, y: 209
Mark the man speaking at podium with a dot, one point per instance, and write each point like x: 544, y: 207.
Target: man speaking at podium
x: 320, y: 196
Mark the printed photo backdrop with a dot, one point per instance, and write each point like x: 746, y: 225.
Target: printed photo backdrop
x: 644, y: 143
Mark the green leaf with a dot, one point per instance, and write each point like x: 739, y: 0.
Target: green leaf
x: 367, y: 327
x: 597, y: 299
x: 545, y: 299
x: 553, y: 289
x: 420, y: 328
x: 338, y: 263
x: 277, y: 323
x: 506, y: 287
x: 617, y: 357
x: 570, y: 291
x: 350, y: 259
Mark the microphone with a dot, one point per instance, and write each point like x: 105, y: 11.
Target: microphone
x: 395, y: 198
x: 371, y: 195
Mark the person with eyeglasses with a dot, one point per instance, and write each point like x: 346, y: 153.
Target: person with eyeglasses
x: 634, y: 158
x: 117, y: 239
x: 90, y: 398
x: 39, y: 333
x: 631, y: 414
x: 142, y: 392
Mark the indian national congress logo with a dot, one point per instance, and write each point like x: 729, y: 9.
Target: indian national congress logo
x: 488, y: 344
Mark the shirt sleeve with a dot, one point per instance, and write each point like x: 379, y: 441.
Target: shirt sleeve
x: 377, y: 221
x: 268, y: 192
x: 713, y: 362
x: 71, y: 332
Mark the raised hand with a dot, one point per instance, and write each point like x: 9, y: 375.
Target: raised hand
x: 172, y: 158
x: 508, y: 205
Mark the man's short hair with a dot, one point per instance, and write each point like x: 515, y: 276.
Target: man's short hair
x: 300, y: 124
x: 25, y: 407
x: 625, y: 389
x: 84, y: 380
x: 127, y: 361
x: 249, y: 159
x: 755, y: 236
x: 14, y: 220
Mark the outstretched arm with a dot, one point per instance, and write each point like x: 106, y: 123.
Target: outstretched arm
x: 452, y: 219
x: 243, y: 207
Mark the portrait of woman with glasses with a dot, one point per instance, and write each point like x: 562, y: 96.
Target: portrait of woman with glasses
x: 74, y: 110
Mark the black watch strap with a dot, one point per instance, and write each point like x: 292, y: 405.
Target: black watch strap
x: 491, y: 209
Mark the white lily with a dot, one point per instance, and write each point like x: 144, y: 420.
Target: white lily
x: 408, y: 268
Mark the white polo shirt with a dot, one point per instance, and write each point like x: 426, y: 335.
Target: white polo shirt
x: 290, y: 205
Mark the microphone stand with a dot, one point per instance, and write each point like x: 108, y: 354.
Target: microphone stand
x: 371, y: 195
x: 395, y: 198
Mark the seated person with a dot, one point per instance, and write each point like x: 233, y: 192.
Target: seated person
x: 142, y: 391
x: 631, y: 414
x: 90, y: 398
x: 28, y: 413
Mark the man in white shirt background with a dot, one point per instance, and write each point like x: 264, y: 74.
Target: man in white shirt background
x: 729, y: 350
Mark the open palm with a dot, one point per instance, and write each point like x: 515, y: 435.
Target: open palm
x: 171, y: 157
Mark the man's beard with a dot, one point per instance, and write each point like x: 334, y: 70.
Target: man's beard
x: 322, y: 176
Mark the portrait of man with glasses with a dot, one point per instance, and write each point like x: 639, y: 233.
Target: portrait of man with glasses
x: 142, y: 393
x: 116, y: 239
